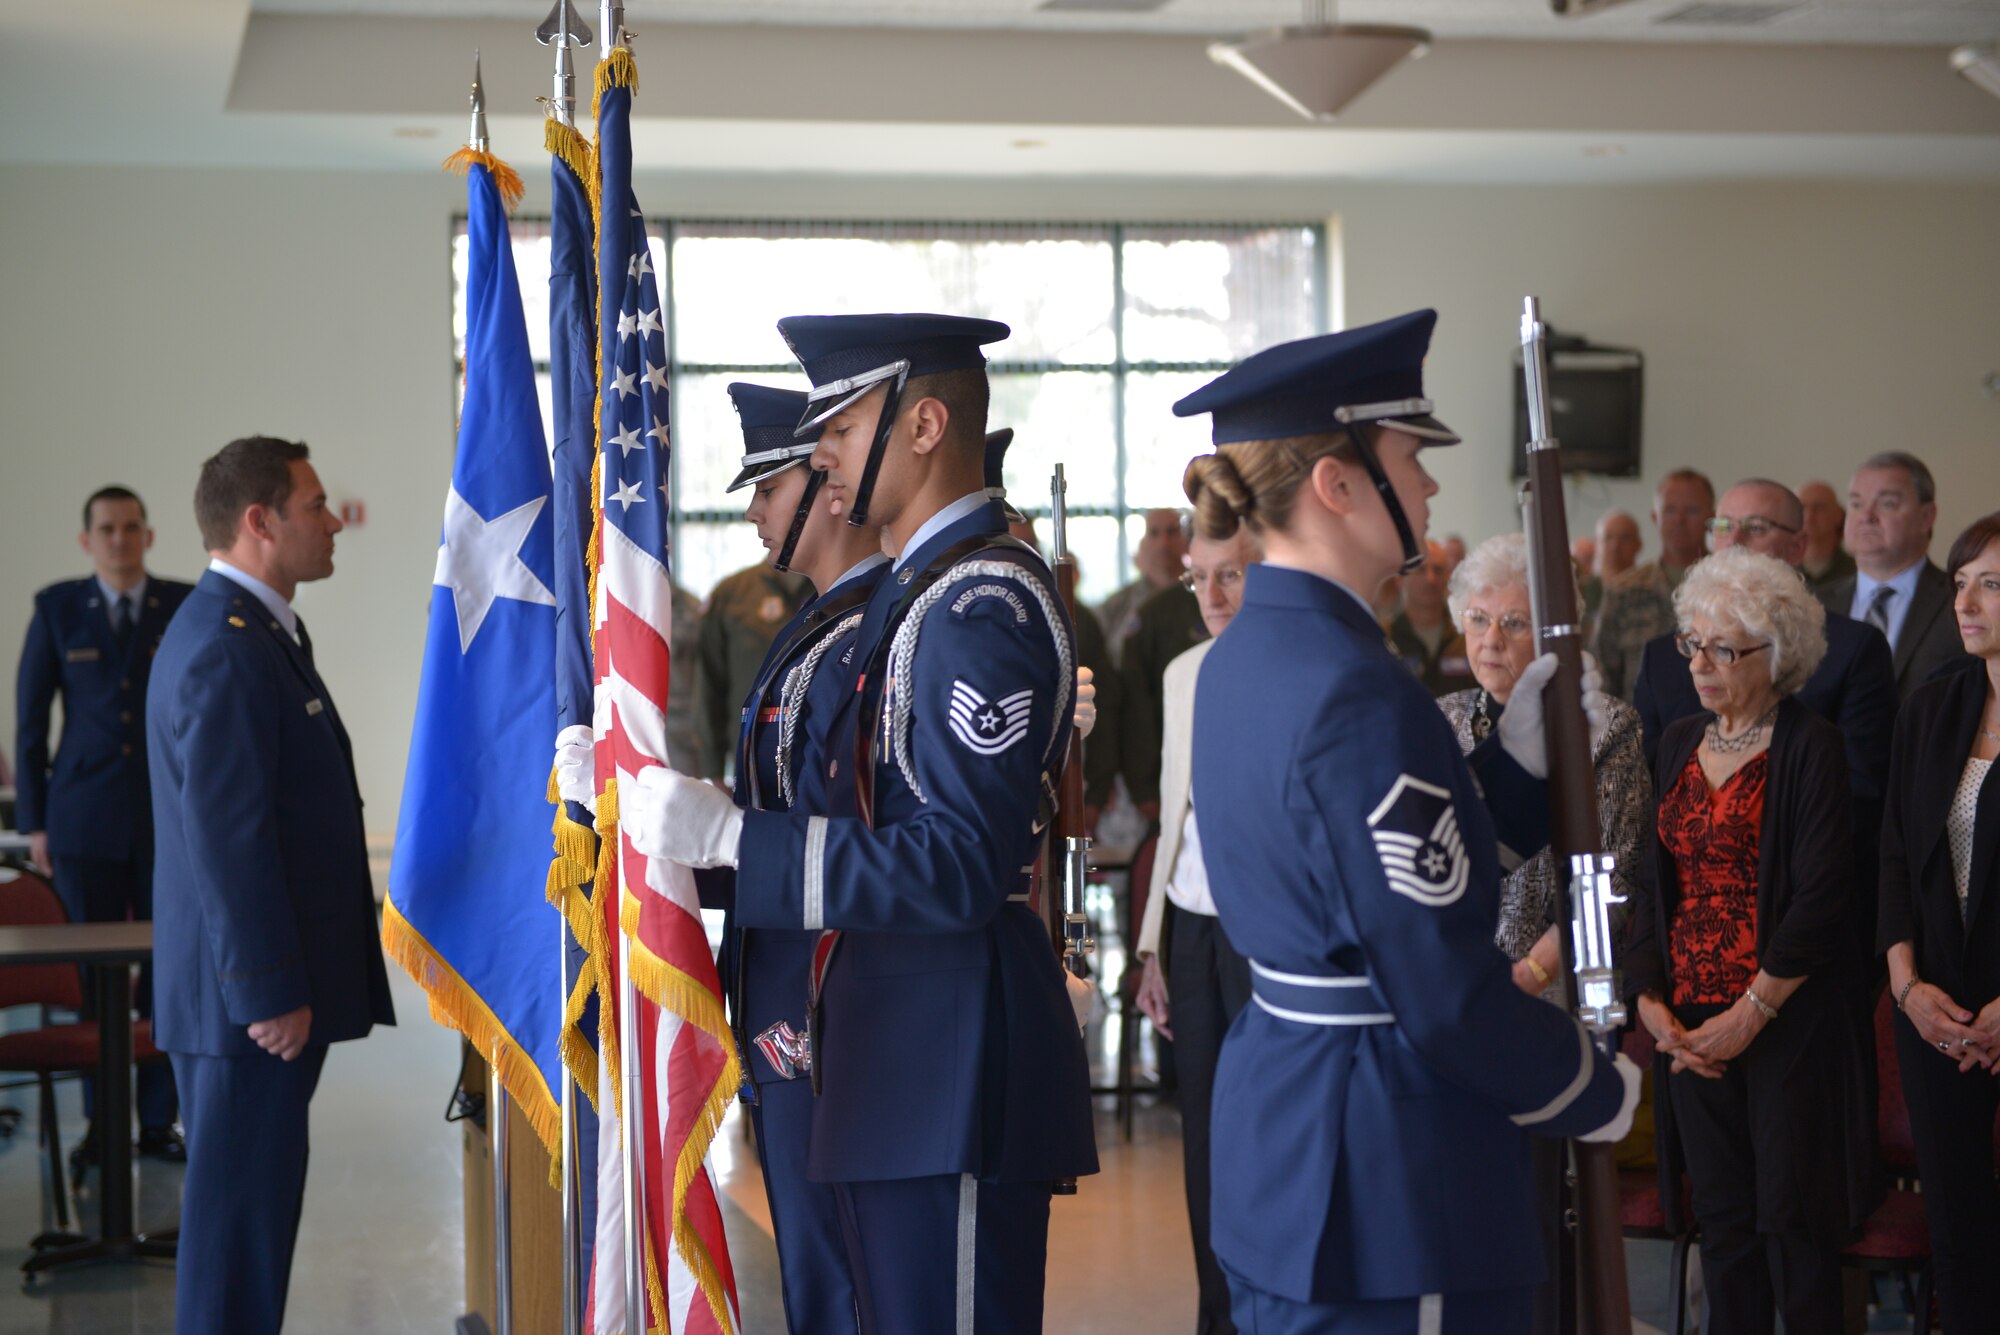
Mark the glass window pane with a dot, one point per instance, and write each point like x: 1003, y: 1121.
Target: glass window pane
x: 1216, y: 295
x: 1093, y: 540
x: 705, y: 552
x: 731, y: 288
x: 1062, y: 415
x: 531, y: 270
x: 1158, y: 444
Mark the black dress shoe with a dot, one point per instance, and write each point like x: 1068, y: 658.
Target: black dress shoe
x: 162, y: 1142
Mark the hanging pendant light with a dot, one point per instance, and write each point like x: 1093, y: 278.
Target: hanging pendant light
x: 1316, y: 69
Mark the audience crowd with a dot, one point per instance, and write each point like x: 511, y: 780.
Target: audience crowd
x: 1793, y: 783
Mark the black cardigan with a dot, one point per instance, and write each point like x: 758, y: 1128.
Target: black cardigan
x: 1919, y: 901
x: 1817, y: 1056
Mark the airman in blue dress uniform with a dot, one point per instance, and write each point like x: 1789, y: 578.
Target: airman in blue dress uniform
x: 1372, y: 1174
x: 766, y: 970
x: 87, y: 807
x: 954, y: 1090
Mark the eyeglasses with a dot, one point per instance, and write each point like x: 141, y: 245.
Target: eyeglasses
x: 1227, y: 578
x: 1721, y: 655
x: 1514, y: 626
x: 1753, y: 528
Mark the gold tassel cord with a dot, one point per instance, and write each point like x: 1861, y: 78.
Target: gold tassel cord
x: 505, y: 178
x: 617, y: 70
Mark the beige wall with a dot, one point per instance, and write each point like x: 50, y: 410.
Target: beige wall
x: 151, y: 315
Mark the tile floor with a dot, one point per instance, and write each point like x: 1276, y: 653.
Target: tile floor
x: 380, y: 1246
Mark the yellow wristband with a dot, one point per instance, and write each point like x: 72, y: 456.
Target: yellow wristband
x: 1535, y: 968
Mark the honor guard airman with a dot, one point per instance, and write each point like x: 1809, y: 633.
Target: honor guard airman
x: 953, y: 1087
x: 87, y: 807
x: 1370, y: 1168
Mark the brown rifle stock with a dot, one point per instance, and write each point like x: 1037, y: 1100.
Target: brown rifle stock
x: 1596, y: 1231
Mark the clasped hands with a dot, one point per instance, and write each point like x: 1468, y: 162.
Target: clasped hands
x: 1708, y: 1048
x: 1973, y: 1041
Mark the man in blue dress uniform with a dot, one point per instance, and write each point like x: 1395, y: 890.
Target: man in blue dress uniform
x: 954, y: 1091
x: 266, y: 941
x: 1374, y: 1172
x: 86, y: 809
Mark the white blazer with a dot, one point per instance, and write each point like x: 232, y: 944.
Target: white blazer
x: 1176, y: 747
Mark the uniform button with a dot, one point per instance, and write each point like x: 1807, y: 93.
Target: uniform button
x: 125, y: 685
x: 125, y: 716
x: 126, y: 749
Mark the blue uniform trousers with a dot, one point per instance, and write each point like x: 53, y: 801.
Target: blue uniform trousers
x: 1484, y: 1312
x: 246, y: 1178
x: 101, y: 890
x: 947, y: 1255
x: 805, y: 1216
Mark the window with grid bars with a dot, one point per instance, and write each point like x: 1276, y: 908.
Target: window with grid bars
x: 1112, y: 322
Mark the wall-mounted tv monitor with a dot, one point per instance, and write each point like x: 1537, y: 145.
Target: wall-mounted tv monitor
x: 1595, y: 399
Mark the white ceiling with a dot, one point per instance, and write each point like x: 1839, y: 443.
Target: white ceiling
x: 380, y: 84
x: 1867, y: 22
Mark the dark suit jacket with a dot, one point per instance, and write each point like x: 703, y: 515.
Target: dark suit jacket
x: 91, y: 796
x: 1810, y: 1071
x: 1919, y: 900
x: 1929, y: 639
x: 261, y: 894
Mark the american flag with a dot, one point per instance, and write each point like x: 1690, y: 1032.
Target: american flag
x: 685, y: 1053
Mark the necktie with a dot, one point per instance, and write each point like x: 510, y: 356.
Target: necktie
x: 122, y: 617
x: 305, y: 641
x: 1878, y: 610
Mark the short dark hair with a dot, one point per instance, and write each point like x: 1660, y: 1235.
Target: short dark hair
x: 966, y: 396
x: 1688, y: 475
x: 1920, y: 476
x: 256, y: 470
x: 1967, y: 546
x: 111, y: 493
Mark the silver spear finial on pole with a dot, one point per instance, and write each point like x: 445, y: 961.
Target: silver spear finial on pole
x: 611, y: 32
x: 562, y: 27
x: 477, y: 138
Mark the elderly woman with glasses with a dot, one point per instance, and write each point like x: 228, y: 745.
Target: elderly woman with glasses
x: 1744, y: 962
x: 1488, y: 598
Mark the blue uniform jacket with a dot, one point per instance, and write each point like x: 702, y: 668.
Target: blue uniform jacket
x: 261, y: 894
x: 1381, y: 1160
x: 947, y: 1043
x: 92, y: 798
x: 765, y: 971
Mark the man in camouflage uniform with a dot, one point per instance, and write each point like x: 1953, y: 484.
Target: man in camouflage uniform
x: 744, y: 615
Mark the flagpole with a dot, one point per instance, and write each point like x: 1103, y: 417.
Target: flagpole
x: 503, y: 1220
x: 572, y: 1200
x: 635, y: 1162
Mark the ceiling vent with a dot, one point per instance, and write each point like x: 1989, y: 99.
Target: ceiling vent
x: 1725, y: 14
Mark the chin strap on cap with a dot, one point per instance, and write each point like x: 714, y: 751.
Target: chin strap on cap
x: 1413, y: 552
x: 814, y: 481
x: 864, y: 490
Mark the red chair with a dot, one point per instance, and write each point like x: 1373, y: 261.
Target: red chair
x: 51, y: 1050
x: 1896, y: 1239
x: 1640, y: 1209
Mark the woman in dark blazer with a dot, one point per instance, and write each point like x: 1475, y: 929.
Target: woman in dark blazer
x: 1744, y: 959
x: 1940, y: 926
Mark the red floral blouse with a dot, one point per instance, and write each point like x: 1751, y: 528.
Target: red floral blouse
x: 1713, y: 839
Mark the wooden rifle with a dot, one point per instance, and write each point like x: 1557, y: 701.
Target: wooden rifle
x: 1068, y: 848
x: 1593, y: 1268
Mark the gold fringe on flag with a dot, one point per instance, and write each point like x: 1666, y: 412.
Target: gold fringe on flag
x: 617, y: 70
x: 456, y: 1006
x: 567, y: 143
x: 504, y: 177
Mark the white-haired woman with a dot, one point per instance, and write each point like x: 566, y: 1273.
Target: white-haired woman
x: 1489, y: 603
x: 1743, y: 958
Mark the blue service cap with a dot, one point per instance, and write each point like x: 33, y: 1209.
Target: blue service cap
x: 845, y: 356
x: 1371, y: 374
x: 996, y: 471
x: 771, y: 439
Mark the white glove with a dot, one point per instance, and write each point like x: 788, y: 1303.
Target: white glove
x: 576, y: 766
x: 1086, y: 702
x: 668, y: 815
x: 1616, y: 1129
x: 1520, y: 725
x: 1082, y: 995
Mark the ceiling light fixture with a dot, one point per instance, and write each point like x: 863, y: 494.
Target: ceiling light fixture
x: 1318, y: 68
x: 1980, y: 65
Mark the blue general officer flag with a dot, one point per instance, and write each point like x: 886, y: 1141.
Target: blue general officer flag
x: 467, y: 914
